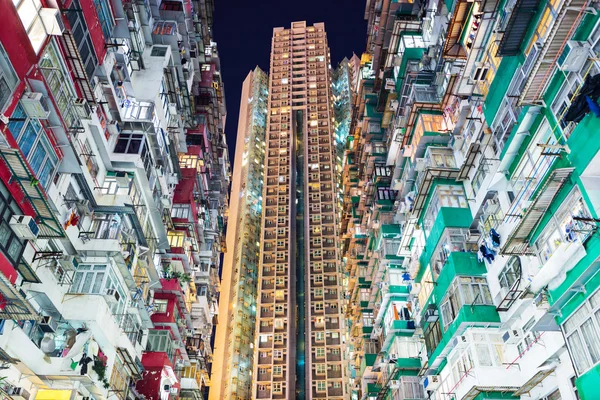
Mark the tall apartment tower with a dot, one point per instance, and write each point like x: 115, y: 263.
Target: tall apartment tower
x: 232, y: 368
x: 298, y: 348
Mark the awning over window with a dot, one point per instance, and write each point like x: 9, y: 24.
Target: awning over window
x: 427, y: 182
x: 13, y: 304
x: 517, y: 243
x: 563, y: 29
x: 47, y: 222
x: 469, y: 161
x: 132, y: 367
x: 514, y: 33
x: 453, y: 48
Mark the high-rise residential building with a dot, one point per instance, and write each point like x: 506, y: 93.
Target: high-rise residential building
x: 299, y: 328
x: 114, y: 174
x: 234, y: 341
x: 470, y: 222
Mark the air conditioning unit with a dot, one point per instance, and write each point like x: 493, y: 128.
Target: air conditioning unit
x: 481, y: 72
x: 48, y: 324
x: 18, y: 393
x: 83, y: 108
x: 419, y: 164
x: 69, y: 263
x: 393, y: 357
x: 24, y: 227
x: 431, y: 313
x: 52, y: 21
x: 431, y: 382
x: 35, y: 105
x: 84, y: 207
x: 173, y: 390
x: 112, y: 296
x: 574, y: 56
x: 390, y: 84
x: 513, y: 336
x: 457, y: 142
x: 173, y: 109
x: 395, y: 384
x: 459, y: 342
x: 122, y: 179
x: 113, y: 128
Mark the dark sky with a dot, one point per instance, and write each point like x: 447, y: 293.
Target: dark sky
x: 243, y: 31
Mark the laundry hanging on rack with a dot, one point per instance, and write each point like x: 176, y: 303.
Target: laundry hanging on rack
x: 495, y: 237
x: 488, y: 254
x: 580, y: 105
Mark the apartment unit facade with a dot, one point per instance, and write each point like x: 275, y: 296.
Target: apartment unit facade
x: 232, y: 369
x: 114, y: 175
x: 470, y: 220
x: 299, y: 322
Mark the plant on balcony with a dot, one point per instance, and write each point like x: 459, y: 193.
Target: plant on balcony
x: 170, y: 274
x: 99, y: 367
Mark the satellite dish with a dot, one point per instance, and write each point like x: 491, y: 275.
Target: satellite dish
x: 48, y: 344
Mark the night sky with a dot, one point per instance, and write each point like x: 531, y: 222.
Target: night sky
x: 243, y: 31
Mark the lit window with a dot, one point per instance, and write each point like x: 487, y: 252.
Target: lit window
x: 28, y: 12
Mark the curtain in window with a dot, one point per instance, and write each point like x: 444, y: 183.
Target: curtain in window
x: 483, y: 355
x: 578, y: 351
x: 590, y: 335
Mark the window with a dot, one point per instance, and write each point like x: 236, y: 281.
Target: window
x: 97, y: 279
x: 277, y: 370
x: 28, y: 12
x: 35, y: 145
x: 562, y: 228
x: 180, y: 211
x: 10, y: 244
x: 119, y: 380
x: 444, y: 196
x: 60, y: 84
x: 160, y: 305
x: 533, y: 167
x: 545, y: 23
x: 277, y: 387
x: 555, y: 395
x: 510, y: 273
x: 433, y: 336
x: 8, y: 79
x: 320, y: 369
x: 464, y: 290
x: 129, y: 143
x: 160, y: 341
x: 105, y: 17
x: 321, y: 386
x: 82, y: 36
x: 582, y: 330
x: 320, y: 352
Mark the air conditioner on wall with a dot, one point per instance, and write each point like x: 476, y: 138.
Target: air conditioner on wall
x: 52, y: 21
x: 69, y: 263
x: 513, y: 336
x: 48, y: 324
x: 18, y: 393
x: 24, y: 227
x: 112, y: 296
x: 431, y: 382
x: 35, y: 105
x: 574, y: 55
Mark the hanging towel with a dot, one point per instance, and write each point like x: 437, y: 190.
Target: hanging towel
x: 93, y: 348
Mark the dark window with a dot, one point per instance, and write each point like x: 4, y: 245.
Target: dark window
x: 129, y: 143
x: 10, y: 245
x: 158, y: 51
x: 433, y: 335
